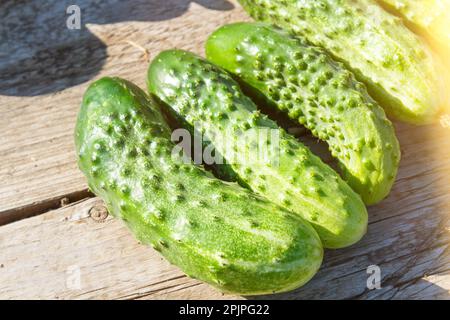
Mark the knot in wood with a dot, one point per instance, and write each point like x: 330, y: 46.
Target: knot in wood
x: 98, y: 213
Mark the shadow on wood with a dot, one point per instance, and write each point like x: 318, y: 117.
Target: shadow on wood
x: 39, y: 54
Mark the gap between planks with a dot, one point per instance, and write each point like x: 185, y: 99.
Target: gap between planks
x: 43, y: 206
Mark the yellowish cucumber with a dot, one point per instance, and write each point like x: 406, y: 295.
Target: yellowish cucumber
x: 432, y: 17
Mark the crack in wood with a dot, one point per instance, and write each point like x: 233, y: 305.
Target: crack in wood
x: 40, y: 207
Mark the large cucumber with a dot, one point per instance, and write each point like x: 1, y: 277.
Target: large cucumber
x: 210, y: 100
x: 302, y: 81
x: 432, y: 17
x: 217, y: 232
x: 395, y: 64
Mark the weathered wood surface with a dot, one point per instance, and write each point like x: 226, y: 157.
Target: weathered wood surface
x: 43, y: 73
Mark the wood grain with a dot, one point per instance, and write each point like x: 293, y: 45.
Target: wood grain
x: 44, y: 70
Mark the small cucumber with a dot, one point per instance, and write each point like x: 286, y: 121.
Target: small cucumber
x: 214, y: 231
x: 211, y: 101
x: 303, y: 82
x: 398, y: 68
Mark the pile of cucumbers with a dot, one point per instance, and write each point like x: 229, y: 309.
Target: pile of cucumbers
x: 265, y: 231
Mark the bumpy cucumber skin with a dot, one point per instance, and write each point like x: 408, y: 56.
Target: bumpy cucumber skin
x: 214, y: 231
x: 430, y: 16
x: 398, y: 68
x: 307, y: 85
x: 207, y: 97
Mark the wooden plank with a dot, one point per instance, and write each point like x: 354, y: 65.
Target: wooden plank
x: 40, y: 95
x: 408, y: 238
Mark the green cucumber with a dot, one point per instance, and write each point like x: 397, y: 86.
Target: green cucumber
x: 211, y: 101
x: 397, y: 66
x: 214, y: 231
x: 307, y: 85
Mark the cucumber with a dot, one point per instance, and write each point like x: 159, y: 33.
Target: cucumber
x: 307, y: 85
x: 398, y: 68
x: 214, y: 231
x: 287, y: 173
x: 430, y: 17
